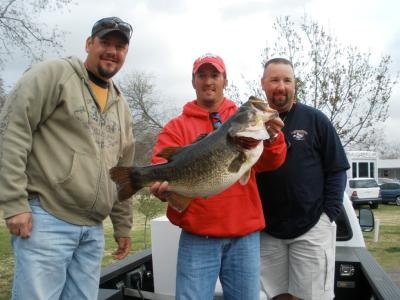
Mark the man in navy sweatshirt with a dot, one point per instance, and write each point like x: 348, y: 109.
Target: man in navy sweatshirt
x: 301, y: 199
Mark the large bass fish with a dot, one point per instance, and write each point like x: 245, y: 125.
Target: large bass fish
x: 208, y: 166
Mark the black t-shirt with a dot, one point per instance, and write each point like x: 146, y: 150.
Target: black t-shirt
x: 293, y: 195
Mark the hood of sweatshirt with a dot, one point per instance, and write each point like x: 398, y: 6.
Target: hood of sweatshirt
x: 192, y: 109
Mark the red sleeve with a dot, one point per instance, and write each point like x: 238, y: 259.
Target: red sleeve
x: 170, y: 136
x: 273, y: 156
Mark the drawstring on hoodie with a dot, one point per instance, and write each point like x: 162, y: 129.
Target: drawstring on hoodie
x: 85, y: 83
x: 120, y: 130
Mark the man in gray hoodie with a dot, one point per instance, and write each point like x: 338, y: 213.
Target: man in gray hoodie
x: 64, y: 125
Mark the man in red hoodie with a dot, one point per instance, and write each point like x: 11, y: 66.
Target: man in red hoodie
x: 220, y: 234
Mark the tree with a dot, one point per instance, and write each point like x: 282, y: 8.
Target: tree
x: 150, y: 207
x: 339, y: 80
x: 388, y: 150
x: 149, y: 113
x: 2, y: 94
x: 239, y: 97
x: 20, y: 28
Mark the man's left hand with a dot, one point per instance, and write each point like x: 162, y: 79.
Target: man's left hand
x: 124, y: 246
x: 176, y: 201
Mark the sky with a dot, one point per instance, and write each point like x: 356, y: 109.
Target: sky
x: 169, y: 35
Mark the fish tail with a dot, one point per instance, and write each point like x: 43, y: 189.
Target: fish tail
x: 125, y: 186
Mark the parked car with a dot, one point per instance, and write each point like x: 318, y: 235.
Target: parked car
x: 382, y: 180
x: 390, y: 192
x: 364, y: 191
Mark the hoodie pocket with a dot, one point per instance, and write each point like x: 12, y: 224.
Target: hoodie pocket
x: 78, y: 186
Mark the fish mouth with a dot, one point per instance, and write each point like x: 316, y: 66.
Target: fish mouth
x: 256, y: 133
x: 253, y: 116
x: 266, y: 111
x: 259, y: 104
x: 255, y: 129
x: 269, y: 115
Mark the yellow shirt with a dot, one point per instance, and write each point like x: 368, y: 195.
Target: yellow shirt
x: 101, y: 95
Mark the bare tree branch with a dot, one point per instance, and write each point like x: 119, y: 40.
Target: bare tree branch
x: 340, y: 81
x: 21, y: 29
x: 2, y: 94
x: 149, y: 112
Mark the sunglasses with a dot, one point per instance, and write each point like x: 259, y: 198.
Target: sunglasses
x: 216, y: 120
x: 112, y: 23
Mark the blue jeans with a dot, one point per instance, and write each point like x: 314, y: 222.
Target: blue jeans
x: 202, y: 259
x: 59, y: 260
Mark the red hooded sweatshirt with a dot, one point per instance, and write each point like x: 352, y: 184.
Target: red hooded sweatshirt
x: 235, y: 212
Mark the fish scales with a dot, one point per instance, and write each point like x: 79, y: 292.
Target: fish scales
x: 206, y: 168
x: 211, y: 164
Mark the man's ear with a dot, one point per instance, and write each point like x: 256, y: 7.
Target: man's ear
x: 226, y: 83
x: 193, y: 82
x: 89, y: 41
x: 262, y: 83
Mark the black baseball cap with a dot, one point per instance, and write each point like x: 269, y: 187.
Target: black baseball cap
x: 110, y: 24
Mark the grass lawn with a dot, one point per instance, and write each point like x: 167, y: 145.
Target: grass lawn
x: 386, y: 250
x: 6, y: 262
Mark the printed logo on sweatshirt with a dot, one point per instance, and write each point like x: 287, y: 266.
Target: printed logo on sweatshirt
x: 105, y: 129
x: 299, y: 134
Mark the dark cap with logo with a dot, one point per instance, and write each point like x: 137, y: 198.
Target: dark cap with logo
x: 112, y: 24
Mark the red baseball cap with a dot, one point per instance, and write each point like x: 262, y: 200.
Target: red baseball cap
x: 209, y: 58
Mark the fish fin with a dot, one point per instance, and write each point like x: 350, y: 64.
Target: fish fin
x: 179, y: 203
x: 245, y: 177
x: 236, y: 163
x: 125, y: 191
x: 125, y: 187
x: 169, y: 152
x: 120, y: 174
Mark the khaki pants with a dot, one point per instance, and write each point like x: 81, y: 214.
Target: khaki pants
x: 303, y: 266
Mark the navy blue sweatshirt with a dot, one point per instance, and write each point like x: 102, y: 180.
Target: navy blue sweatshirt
x: 312, y: 179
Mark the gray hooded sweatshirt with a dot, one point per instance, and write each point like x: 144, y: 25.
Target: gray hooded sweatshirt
x: 55, y: 142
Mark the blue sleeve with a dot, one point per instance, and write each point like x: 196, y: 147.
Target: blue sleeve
x: 335, y: 184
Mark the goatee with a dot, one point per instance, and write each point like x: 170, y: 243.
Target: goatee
x: 106, y: 74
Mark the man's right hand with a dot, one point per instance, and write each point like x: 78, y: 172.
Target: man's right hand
x: 20, y: 225
x: 176, y: 201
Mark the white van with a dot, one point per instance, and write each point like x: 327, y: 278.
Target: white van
x: 364, y: 191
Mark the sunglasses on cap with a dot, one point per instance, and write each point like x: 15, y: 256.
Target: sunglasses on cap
x: 112, y: 23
